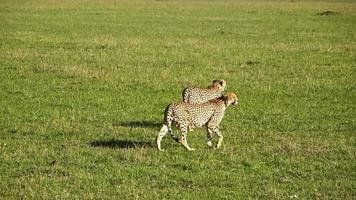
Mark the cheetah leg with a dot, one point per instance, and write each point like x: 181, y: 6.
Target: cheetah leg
x: 184, y: 130
x: 169, y: 124
x: 210, y: 137
x: 161, y: 134
x: 217, y: 131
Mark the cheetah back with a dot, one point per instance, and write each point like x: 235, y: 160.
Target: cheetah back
x: 196, y: 115
x: 200, y: 95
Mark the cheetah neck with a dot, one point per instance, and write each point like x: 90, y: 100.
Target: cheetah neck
x: 214, y: 87
x: 221, y: 104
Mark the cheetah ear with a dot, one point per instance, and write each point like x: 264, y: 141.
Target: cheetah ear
x: 226, y: 99
x: 221, y: 83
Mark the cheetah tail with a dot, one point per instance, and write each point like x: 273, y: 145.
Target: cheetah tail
x: 161, y: 134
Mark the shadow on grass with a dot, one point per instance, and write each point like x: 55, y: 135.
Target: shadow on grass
x: 121, y: 144
x: 138, y: 124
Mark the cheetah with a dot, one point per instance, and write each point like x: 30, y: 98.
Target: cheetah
x: 202, y: 95
x: 185, y: 114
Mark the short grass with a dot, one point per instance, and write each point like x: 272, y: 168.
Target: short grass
x: 84, y: 85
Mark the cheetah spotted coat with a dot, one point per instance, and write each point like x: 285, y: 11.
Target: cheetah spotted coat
x: 202, y: 95
x: 185, y: 114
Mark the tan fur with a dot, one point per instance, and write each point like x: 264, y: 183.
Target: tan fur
x: 207, y: 114
x: 202, y: 95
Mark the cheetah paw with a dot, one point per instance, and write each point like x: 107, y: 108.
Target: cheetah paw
x: 210, y: 144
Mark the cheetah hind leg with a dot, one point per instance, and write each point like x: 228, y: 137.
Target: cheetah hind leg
x: 169, y: 126
x: 184, y: 138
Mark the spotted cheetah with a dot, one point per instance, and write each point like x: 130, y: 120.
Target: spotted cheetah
x: 185, y: 114
x: 202, y: 95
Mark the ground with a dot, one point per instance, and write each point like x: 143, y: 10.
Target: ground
x: 84, y: 85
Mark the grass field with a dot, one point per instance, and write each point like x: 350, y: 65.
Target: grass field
x: 84, y: 85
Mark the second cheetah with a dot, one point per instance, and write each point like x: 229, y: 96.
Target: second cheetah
x: 202, y: 95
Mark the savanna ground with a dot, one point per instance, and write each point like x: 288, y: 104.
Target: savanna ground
x: 84, y: 85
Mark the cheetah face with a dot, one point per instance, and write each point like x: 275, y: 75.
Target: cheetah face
x: 236, y: 101
x: 221, y: 83
x: 231, y: 99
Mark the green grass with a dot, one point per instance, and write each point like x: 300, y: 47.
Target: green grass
x: 84, y: 85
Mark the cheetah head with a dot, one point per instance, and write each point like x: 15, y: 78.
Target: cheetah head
x: 220, y: 83
x: 231, y: 99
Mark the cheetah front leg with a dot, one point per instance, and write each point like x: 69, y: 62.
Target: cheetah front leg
x: 217, y: 131
x: 184, y: 130
x: 210, y: 137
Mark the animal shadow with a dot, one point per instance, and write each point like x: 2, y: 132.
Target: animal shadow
x: 138, y: 124
x: 121, y: 144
